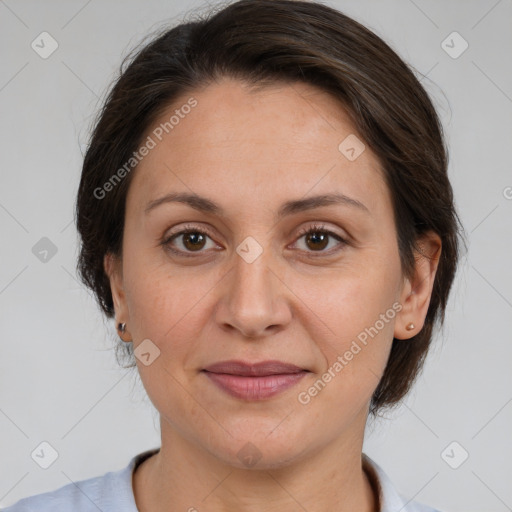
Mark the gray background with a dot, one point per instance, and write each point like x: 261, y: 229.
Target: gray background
x: 59, y: 381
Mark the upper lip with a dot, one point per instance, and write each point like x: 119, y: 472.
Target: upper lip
x: 247, y: 369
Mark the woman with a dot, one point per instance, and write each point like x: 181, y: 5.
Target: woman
x: 265, y: 211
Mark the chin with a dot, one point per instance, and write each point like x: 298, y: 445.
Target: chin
x: 264, y: 443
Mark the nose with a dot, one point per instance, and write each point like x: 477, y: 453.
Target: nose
x: 254, y: 299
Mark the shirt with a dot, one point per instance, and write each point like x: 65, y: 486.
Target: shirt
x: 113, y: 492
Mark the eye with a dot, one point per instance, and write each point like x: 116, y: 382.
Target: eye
x: 189, y: 240
x: 192, y: 239
x: 317, y: 238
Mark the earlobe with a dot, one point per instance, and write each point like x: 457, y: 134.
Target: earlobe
x: 417, y: 290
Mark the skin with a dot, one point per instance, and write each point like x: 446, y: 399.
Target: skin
x: 249, y: 152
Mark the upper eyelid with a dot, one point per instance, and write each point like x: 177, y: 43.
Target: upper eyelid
x: 314, y: 224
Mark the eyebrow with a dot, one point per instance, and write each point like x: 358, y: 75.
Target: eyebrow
x: 206, y: 205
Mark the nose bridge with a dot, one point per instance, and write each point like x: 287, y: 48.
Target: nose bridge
x: 252, y: 277
x: 251, y: 302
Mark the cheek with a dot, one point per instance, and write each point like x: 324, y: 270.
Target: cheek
x: 161, y: 305
x: 351, y: 320
x: 360, y: 320
x: 167, y: 310
x: 352, y: 297
x: 168, y: 304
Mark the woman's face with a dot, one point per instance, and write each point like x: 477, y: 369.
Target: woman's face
x: 252, y: 288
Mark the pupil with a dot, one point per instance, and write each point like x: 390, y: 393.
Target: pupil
x: 315, y: 237
x: 193, y: 239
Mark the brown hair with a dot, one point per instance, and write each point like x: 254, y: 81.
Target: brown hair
x: 263, y: 42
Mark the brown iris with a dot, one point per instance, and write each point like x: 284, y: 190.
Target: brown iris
x: 193, y: 240
x: 318, y: 239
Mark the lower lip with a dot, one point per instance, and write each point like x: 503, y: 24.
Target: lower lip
x: 255, y: 388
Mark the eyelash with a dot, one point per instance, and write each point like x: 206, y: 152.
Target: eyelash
x: 316, y: 228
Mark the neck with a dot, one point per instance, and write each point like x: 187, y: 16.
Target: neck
x: 183, y: 476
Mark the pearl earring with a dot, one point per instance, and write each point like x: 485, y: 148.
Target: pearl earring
x: 410, y: 326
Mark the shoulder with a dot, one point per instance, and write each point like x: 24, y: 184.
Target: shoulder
x: 85, y: 495
x: 110, y: 492
x: 390, y: 499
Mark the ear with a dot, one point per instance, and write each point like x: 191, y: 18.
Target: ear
x: 114, y: 270
x: 417, y: 290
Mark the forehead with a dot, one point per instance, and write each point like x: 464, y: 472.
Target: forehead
x: 260, y: 146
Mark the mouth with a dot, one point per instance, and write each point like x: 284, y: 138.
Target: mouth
x: 254, y: 381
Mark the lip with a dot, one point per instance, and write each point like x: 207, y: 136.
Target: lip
x: 264, y: 368
x: 254, y: 381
